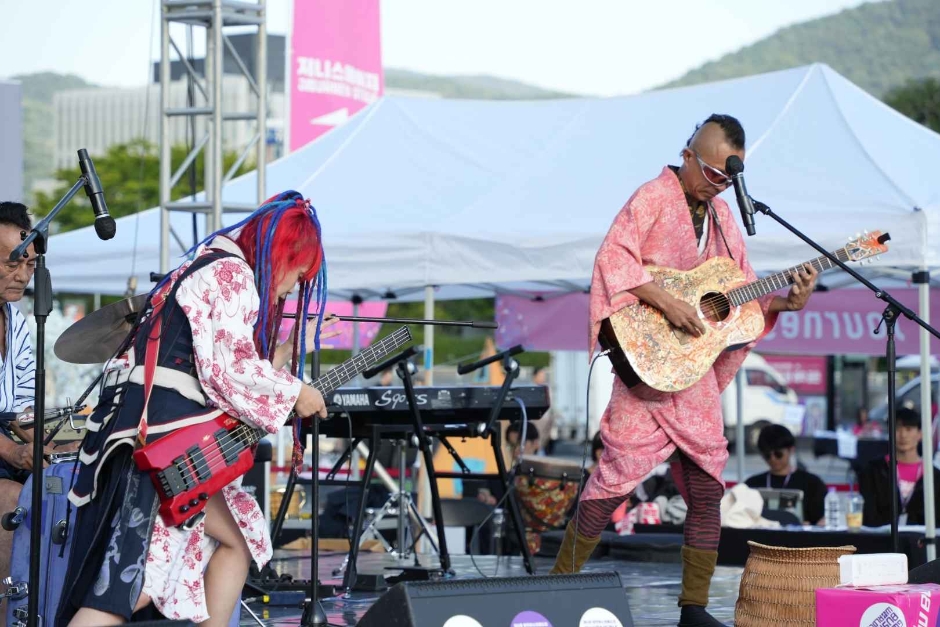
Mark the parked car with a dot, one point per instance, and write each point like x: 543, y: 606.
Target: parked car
x: 767, y: 400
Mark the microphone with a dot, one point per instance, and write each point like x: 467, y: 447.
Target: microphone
x: 408, y: 353
x: 104, y: 223
x: 465, y: 368
x: 735, y: 169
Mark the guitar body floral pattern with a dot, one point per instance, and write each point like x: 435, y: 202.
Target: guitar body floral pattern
x: 667, y: 359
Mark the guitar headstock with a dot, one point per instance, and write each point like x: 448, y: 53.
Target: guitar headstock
x: 866, y: 245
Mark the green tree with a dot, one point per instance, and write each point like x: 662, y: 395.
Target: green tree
x: 130, y: 177
x: 918, y: 100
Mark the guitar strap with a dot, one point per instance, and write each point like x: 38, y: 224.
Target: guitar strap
x: 150, y: 366
x: 714, y: 215
x: 156, y: 331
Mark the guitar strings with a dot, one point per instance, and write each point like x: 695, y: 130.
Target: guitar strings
x: 716, y: 301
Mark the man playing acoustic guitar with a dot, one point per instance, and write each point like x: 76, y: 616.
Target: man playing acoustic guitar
x: 674, y: 221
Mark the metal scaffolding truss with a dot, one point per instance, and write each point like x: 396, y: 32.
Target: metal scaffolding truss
x: 217, y: 17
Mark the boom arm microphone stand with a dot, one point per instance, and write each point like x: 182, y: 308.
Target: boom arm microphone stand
x: 42, y: 307
x: 476, y: 324
x: 889, y: 317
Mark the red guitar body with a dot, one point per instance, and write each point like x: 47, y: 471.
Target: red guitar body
x: 188, y: 466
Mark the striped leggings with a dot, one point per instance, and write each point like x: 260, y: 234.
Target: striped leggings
x: 702, y: 494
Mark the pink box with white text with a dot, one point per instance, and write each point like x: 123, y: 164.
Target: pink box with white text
x: 907, y: 605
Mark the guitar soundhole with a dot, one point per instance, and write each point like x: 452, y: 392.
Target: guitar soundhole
x: 715, y: 306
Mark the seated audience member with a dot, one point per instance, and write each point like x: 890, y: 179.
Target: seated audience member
x: 864, y: 426
x: 597, y: 449
x: 488, y: 493
x: 777, y: 446
x: 874, y: 481
x: 388, y: 378
x: 514, y: 432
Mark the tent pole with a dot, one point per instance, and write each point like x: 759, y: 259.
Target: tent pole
x: 429, y: 336
x: 424, y: 494
x: 926, y: 415
x: 356, y: 348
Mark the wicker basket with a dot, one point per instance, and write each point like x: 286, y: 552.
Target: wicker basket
x: 779, y: 585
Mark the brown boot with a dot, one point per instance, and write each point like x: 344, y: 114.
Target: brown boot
x: 698, y: 566
x: 574, y: 552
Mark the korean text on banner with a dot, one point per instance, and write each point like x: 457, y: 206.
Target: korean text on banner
x: 336, y: 64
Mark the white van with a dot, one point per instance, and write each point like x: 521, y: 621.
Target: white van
x: 767, y: 400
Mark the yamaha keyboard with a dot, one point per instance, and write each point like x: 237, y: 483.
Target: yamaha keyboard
x: 448, y: 409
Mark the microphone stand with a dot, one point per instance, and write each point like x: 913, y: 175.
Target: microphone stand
x: 42, y: 307
x: 889, y: 317
x: 313, y: 613
x: 476, y: 324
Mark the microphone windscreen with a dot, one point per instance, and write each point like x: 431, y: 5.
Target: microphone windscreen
x: 105, y: 227
x: 734, y: 165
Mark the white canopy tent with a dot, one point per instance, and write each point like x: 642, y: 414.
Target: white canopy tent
x: 478, y: 197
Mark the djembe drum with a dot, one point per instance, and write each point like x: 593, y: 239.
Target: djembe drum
x: 546, y: 489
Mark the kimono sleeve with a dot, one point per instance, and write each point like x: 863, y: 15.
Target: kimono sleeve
x: 221, y: 303
x: 619, y: 261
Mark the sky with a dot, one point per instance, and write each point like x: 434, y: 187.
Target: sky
x: 588, y: 47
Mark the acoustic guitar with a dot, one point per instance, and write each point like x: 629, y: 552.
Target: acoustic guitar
x: 646, y: 348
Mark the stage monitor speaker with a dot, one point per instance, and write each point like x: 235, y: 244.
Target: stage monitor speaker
x: 925, y: 573
x: 584, y: 600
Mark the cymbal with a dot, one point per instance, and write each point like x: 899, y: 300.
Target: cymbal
x: 95, y: 338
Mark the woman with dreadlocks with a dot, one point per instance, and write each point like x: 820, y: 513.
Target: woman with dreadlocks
x: 213, y: 325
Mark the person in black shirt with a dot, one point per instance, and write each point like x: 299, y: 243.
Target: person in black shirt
x: 777, y: 446
x: 874, y: 481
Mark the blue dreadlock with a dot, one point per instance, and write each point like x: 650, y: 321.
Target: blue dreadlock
x: 272, y: 212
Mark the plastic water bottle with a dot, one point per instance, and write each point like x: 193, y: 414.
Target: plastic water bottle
x: 499, y: 519
x: 833, y: 506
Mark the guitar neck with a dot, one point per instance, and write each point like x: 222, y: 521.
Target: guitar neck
x: 347, y: 371
x: 780, y: 280
x: 343, y: 373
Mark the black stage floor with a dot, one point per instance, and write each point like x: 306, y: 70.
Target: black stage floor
x: 651, y: 588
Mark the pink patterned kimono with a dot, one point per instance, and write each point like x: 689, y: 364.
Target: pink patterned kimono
x: 641, y: 427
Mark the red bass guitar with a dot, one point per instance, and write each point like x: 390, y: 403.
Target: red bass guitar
x: 188, y: 466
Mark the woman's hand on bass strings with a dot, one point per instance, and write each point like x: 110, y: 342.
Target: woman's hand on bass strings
x: 310, y: 402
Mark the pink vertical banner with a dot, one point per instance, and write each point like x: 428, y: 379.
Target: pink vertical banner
x: 336, y: 64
